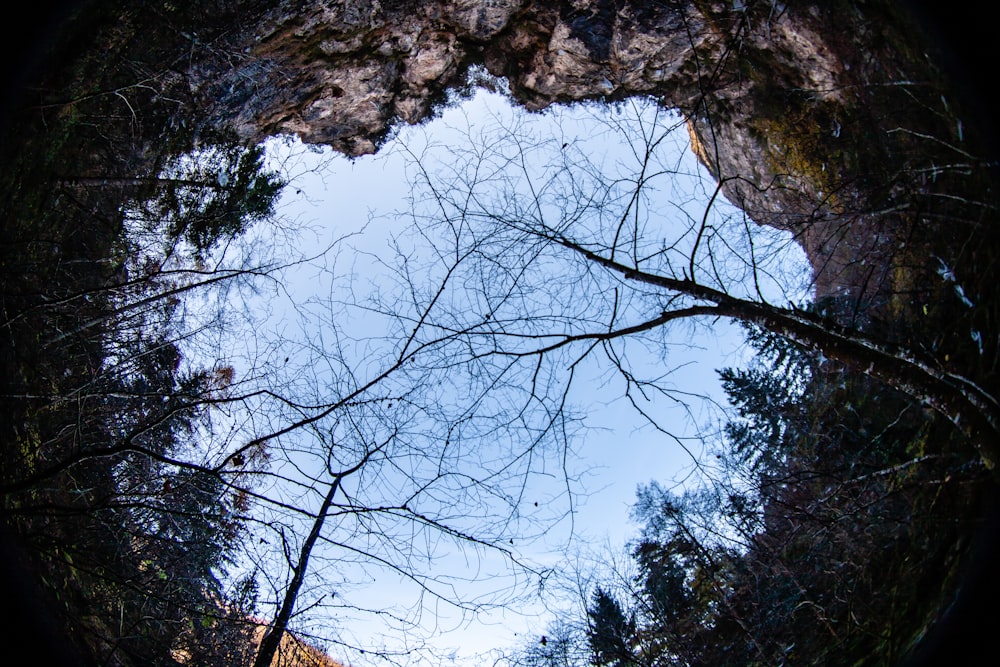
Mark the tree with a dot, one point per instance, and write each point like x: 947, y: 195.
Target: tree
x: 810, y: 541
x: 530, y: 262
x: 276, y: 631
x: 209, y: 468
x: 107, y: 410
x: 592, y: 250
x: 106, y: 487
x: 610, y: 633
x: 560, y: 646
x: 562, y: 256
x: 205, y: 198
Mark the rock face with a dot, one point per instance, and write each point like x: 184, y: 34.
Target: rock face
x: 342, y: 73
x: 779, y: 97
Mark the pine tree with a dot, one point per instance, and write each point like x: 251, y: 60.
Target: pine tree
x: 610, y: 634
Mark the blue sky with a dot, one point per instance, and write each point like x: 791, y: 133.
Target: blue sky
x: 342, y: 214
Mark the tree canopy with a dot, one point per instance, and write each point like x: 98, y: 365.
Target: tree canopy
x: 190, y: 487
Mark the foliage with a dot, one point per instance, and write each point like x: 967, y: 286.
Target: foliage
x: 813, y: 544
x: 610, y: 631
x: 102, y: 235
x: 829, y: 532
x: 210, y: 197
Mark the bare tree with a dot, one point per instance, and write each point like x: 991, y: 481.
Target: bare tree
x: 564, y: 254
x: 529, y: 261
x: 526, y: 261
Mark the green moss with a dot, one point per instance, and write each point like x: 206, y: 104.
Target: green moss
x: 802, y: 142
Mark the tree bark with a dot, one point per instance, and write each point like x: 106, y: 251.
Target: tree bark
x: 974, y: 411
x: 276, y: 630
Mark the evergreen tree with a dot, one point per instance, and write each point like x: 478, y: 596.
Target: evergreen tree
x: 610, y: 634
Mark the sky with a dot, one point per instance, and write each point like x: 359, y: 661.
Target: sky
x: 341, y: 214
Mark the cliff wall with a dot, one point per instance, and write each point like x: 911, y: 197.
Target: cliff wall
x: 810, y: 113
